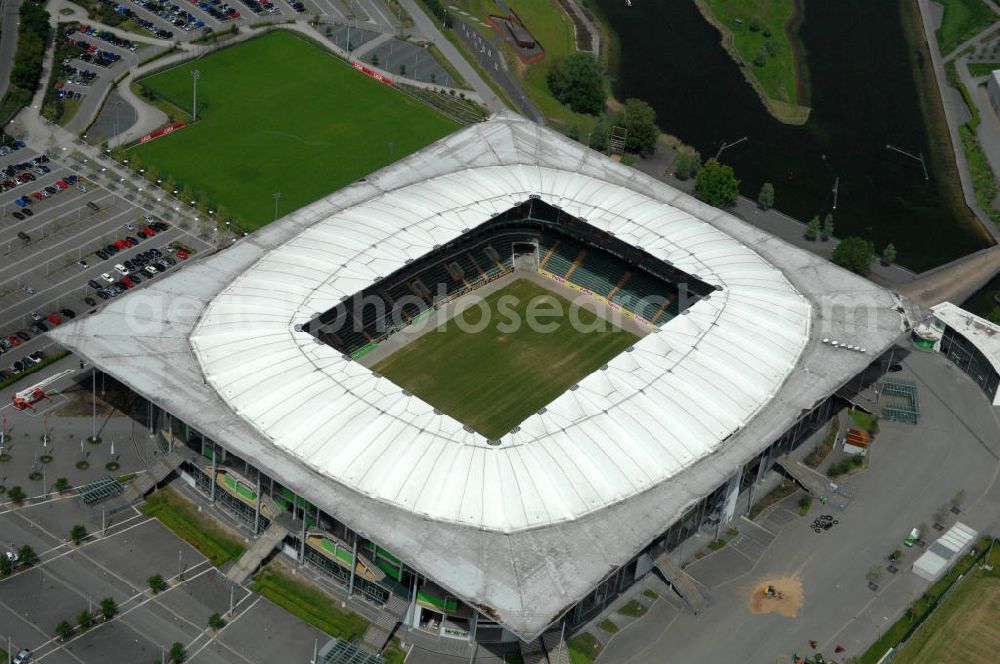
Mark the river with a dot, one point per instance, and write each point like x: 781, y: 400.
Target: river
x: 864, y: 96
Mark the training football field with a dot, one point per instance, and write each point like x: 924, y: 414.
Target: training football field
x: 279, y: 114
x: 964, y: 629
x: 493, y: 379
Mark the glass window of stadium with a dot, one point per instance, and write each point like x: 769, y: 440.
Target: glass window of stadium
x: 969, y: 359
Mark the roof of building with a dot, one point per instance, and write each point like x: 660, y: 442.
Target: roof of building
x: 521, y: 530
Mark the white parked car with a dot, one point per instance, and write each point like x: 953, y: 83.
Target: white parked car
x: 121, y: 270
x: 108, y: 278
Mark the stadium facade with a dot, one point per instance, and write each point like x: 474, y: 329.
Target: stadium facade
x: 498, y: 538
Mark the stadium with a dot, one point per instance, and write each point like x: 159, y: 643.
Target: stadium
x: 493, y: 483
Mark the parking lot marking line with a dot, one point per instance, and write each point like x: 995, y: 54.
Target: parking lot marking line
x: 57, y: 247
x: 63, y: 292
x: 214, y: 637
x: 22, y: 618
x: 34, y: 225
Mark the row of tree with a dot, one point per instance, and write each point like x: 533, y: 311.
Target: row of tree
x: 26, y: 74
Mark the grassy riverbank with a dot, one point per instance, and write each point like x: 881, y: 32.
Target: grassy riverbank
x: 761, y: 35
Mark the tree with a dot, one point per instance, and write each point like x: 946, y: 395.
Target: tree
x: 374, y: 60
x: 108, y: 608
x: 874, y: 574
x: 61, y: 484
x: 827, y: 226
x: 64, y: 630
x: 813, y: 228
x: 84, y: 620
x: 77, y: 533
x: 402, y: 70
x: 755, y: 24
x: 577, y: 82
x: 216, y: 622
x: 640, y: 127
x: 156, y: 583
x: 854, y: 254
x: 598, y: 139
x: 761, y: 58
x: 16, y: 494
x: 889, y: 254
x: 573, y: 132
x: 27, y: 556
x: 957, y: 500
x: 765, y: 199
x: 941, y: 515
x: 716, y: 184
x: 687, y: 164
x: 6, y: 565
x: 177, y: 654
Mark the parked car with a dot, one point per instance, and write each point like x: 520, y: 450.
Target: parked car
x: 68, y: 313
x: 107, y: 277
x: 91, y: 302
x: 122, y: 270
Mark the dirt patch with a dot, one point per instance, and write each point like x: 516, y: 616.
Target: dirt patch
x: 785, y: 598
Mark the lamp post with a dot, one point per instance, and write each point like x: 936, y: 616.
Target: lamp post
x: 277, y: 197
x: 195, y: 75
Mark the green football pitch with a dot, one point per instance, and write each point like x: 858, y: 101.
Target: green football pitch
x: 279, y: 114
x: 493, y: 379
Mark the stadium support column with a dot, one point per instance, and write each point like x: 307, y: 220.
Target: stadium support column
x: 215, y: 453
x: 302, y: 541
x: 256, y: 513
x: 354, y: 566
x: 732, y: 496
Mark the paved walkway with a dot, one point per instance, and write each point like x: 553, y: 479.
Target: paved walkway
x: 930, y: 24
x: 913, y: 470
x: 430, y: 30
x: 9, y: 18
x: 956, y: 281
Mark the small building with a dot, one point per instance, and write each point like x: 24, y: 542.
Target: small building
x: 971, y: 342
x: 942, y: 554
x: 993, y: 90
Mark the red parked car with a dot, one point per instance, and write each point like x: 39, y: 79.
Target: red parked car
x: 183, y: 255
x: 54, y: 319
x: 61, y: 184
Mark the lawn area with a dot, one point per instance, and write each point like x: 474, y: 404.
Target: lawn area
x: 584, y: 648
x: 634, y: 609
x: 982, y: 68
x: 279, y: 114
x: 203, y: 533
x: 449, y: 369
x: 963, y: 19
x: 864, y: 420
x: 309, y: 603
x: 778, y: 77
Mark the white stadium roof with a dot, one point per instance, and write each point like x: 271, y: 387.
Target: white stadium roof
x: 522, y: 530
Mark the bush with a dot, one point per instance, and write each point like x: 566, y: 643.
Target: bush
x: 16, y: 494
x: 805, y: 504
x: 64, y: 630
x: 716, y: 184
x: 845, y: 465
x: 577, y: 82
x: 216, y: 622
x: 78, y: 533
x: 156, y: 583
x: 854, y: 254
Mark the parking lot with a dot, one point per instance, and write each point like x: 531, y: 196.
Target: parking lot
x: 50, y: 256
x: 68, y: 580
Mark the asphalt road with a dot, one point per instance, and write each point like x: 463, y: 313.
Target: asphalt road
x: 63, y: 230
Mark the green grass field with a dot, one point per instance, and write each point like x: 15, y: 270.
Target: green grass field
x: 494, y: 379
x: 203, y: 533
x: 309, y: 603
x: 963, y: 19
x: 279, y: 114
x: 982, y: 68
x: 778, y: 77
x: 964, y: 629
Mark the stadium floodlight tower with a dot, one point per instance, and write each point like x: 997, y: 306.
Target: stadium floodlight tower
x: 195, y: 75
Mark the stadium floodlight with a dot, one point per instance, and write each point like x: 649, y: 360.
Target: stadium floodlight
x: 195, y: 75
